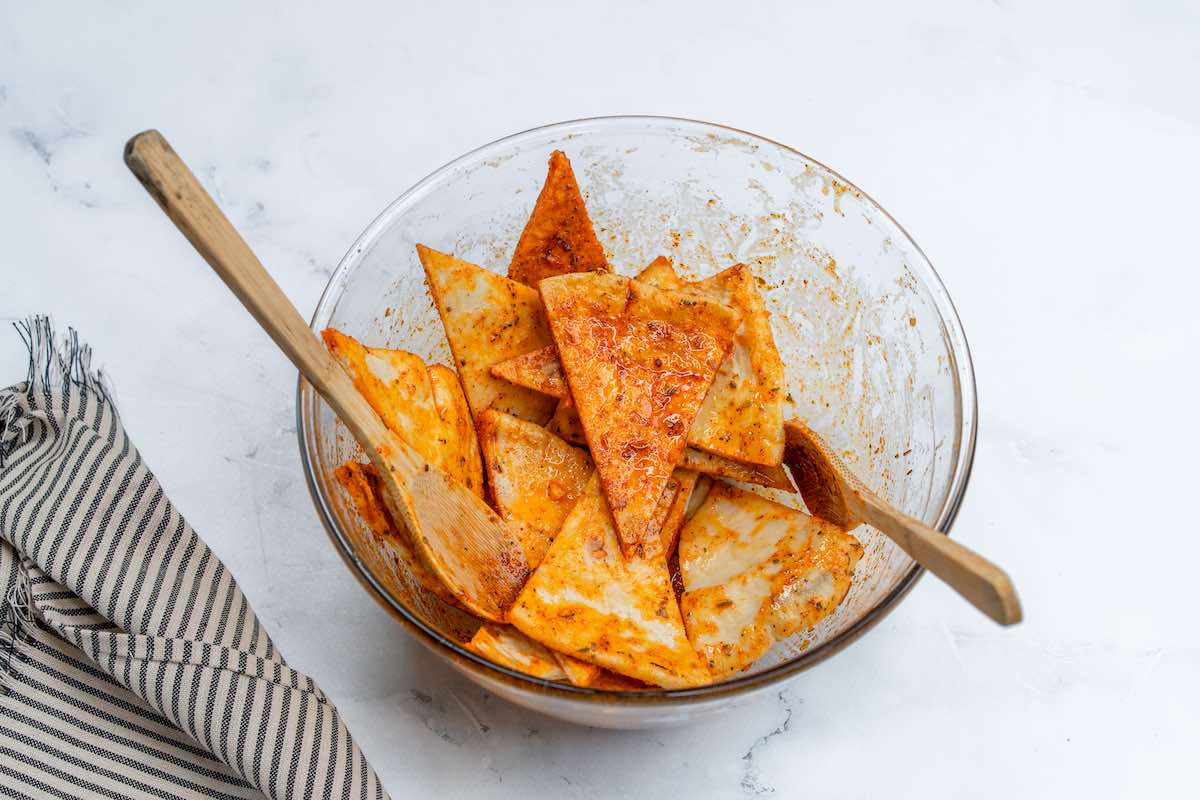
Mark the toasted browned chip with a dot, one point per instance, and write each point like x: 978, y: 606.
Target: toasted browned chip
x: 488, y: 319
x: 742, y: 414
x: 508, y: 647
x: 559, y: 237
x: 361, y: 482
x: 588, y: 601
x: 755, y: 571
x: 423, y: 406
x: 539, y: 370
x: 533, y: 476
x: 639, y: 362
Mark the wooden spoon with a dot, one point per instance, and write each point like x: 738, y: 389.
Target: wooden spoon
x: 832, y: 492
x: 475, y: 553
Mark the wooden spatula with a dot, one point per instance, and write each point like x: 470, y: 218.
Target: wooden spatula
x: 475, y: 553
x: 832, y: 492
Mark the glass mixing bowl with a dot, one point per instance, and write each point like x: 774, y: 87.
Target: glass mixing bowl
x: 875, y: 355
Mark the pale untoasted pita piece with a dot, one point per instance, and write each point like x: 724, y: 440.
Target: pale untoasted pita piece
x: 586, y: 600
x: 755, y: 571
x: 423, y: 406
x: 362, y: 484
x: 638, y: 362
x: 539, y: 370
x: 533, y: 476
x: 508, y: 647
x: 488, y: 319
x: 742, y: 414
x: 559, y: 237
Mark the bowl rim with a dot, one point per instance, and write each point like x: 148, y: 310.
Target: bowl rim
x: 962, y: 370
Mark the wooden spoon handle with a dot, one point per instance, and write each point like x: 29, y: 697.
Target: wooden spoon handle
x: 175, y: 188
x: 982, y: 583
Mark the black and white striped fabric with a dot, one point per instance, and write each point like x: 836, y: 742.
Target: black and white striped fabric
x: 131, y: 665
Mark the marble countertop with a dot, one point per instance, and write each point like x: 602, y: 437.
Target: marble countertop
x: 1041, y: 157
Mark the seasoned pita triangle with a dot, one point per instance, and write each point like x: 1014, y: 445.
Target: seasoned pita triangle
x: 539, y: 370
x: 589, y: 602
x: 639, y: 362
x: 488, y: 319
x: 661, y: 274
x: 742, y: 414
x: 422, y: 405
x: 533, y: 476
x: 558, y: 238
x: 755, y: 571
x: 565, y: 425
x: 510, y: 648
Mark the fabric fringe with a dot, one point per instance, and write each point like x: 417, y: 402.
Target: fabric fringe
x: 51, y: 365
x: 16, y: 622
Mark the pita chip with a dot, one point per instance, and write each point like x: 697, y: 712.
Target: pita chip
x: 422, y: 405
x: 488, y: 319
x: 754, y: 572
x: 588, y: 601
x: 533, y: 476
x: 638, y: 362
x: 559, y: 238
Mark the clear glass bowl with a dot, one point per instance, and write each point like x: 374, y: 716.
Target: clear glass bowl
x: 876, y: 358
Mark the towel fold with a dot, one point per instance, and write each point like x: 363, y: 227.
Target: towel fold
x: 131, y: 664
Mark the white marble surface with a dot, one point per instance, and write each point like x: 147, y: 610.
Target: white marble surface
x: 1043, y: 157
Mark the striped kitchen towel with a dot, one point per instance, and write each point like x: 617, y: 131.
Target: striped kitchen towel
x: 131, y: 664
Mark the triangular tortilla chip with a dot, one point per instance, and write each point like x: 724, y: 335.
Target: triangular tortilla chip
x: 639, y: 362
x: 533, y: 476
x: 423, y: 406
x: 488, y: 319
x: 589, y: 602
x: 558, y: 238
x: 539, y: 370
x: 755, y: 571
x: 742, y: 414
x: 508, y: 647
x: 361, y: 482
